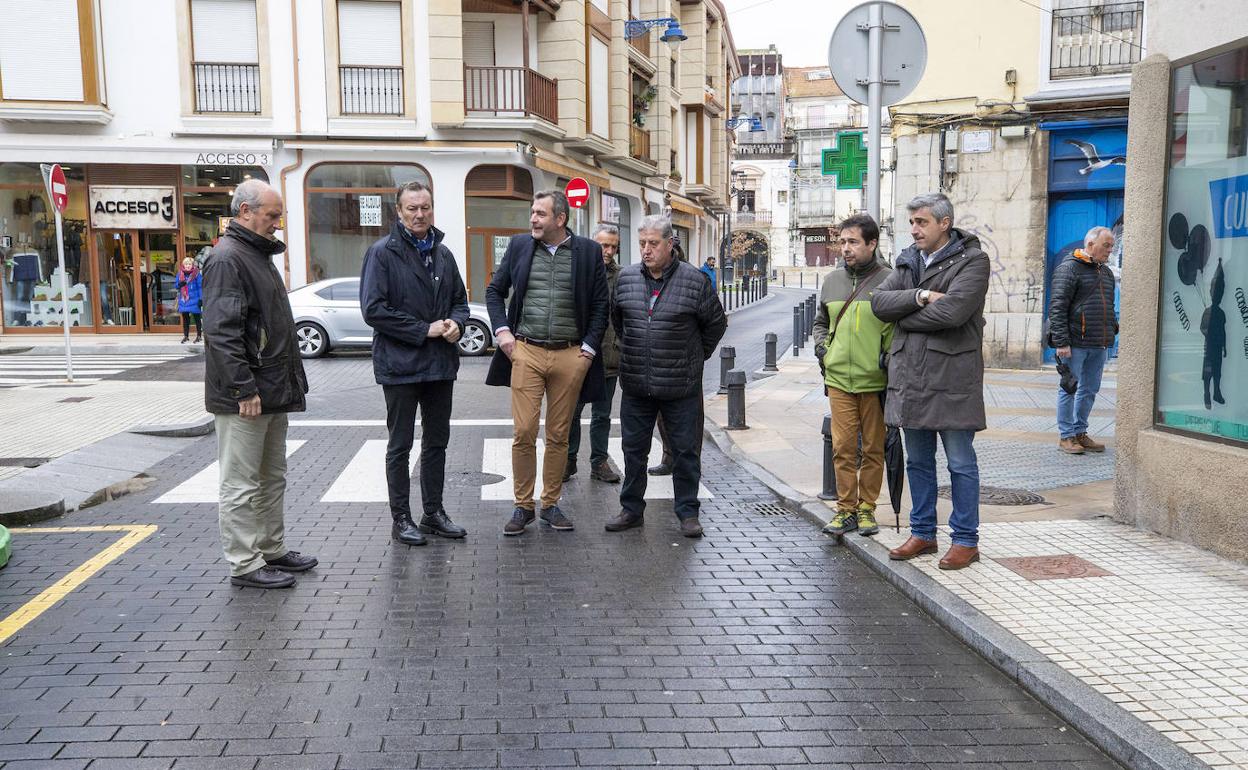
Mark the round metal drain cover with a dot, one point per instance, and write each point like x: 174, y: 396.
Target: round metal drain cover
x: 1000, y: 496
x: 771, y: 509
x: 477, y: 478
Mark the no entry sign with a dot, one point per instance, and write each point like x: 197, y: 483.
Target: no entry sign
x: 577, y: 192
x: 58, y: 188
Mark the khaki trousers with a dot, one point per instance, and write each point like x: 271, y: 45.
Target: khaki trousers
x: 857, y: 485
x: 557, y: 375
x: 252, y: 457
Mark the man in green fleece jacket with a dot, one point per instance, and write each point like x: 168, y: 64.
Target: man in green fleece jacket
x: 850, y: 341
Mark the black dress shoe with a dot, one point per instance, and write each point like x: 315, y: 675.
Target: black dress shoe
x: 691, y: 527
x: 624, y: 520
x: 662, y: 469
x: 438, y: 523
x: 293, y: 561
x: 406, y: 532
x: 569, y: 470
x: 265, y: 577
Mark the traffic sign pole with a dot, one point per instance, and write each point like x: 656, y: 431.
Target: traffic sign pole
x: 58, y: 196
x: 875, y: 84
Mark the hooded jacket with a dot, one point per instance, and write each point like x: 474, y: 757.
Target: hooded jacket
x: 851, y: 355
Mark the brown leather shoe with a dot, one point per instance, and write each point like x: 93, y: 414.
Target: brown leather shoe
x: 1070, y: 446
x: 959, y: 557
x: 912, y: 548
x: 1088, y: 444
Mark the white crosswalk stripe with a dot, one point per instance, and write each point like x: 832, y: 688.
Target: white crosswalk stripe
x: 44, y: 368
x: 204, y: 487
x: 363, y: 478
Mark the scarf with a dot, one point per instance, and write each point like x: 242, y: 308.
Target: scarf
x: 185, y: 278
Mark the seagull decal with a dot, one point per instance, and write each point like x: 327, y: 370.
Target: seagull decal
x: 1094, y: 160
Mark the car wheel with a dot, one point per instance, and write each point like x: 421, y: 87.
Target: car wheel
x: 312, y: 339
x: 475, y: 339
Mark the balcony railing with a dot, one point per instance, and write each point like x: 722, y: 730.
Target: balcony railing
x: 511, y: 91
x: 751, y: 217
x: 1096, y: 40
x: 639, y: 144
x: 371, y: 90
x: 222, y: 87
x: 641, y: 43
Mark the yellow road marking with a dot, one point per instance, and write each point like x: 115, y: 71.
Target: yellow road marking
x: 32, y: 609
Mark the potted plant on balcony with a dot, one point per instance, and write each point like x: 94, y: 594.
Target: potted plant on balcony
x: 641, y: 104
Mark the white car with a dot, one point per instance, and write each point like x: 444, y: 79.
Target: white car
x: 327, y: 316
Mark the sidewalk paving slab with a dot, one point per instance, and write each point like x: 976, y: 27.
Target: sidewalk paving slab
x: 1139, y: 641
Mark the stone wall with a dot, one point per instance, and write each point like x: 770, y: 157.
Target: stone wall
x: 1000, y: 197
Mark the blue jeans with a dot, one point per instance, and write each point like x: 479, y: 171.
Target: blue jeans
x: 1073, y: 410
x: 964, y: 477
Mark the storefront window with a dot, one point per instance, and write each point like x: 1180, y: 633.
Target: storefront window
x: 615, y: 211
x: 1202, y: 360
x: 206, y: 195
x: 30, y: 284
x: 343, y: 199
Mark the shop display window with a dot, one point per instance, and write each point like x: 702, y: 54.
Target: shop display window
x: 30, y: 281
x: 1202, y: 348
x: 349, y: 207
x: 206, y: 195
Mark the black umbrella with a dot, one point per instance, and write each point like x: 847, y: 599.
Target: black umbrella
x: 894, y: 465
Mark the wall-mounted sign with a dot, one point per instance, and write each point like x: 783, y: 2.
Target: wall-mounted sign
x: 816, y: 239
x: 142, y: 208
x: 228, y: 158
x: 370, y: 211
x: 976, y: 141
x: 774, y: 150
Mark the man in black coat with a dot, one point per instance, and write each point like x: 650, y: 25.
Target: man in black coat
x: 548, y: 307
x: 412, y: 296
x: 668, y: 320
x: 253, y: 377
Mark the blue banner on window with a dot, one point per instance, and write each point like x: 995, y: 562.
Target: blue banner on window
x: 1229, y: 199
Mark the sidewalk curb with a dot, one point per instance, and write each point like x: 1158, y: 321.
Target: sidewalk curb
x: 1113, y: 729
x: 201, y: 427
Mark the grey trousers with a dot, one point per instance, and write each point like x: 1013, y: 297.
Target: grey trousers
x: 252, y: 457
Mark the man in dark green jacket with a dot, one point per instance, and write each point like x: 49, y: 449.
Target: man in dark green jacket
x: 608, y: 237
x: 850, y: 341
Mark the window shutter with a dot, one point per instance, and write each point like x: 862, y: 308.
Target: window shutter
x: 224, y: 31
x: 600, y: 102
x: 479, y: 43
x: 370, y: 33
x: 28, y: 69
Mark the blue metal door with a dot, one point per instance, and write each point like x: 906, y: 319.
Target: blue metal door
x: 1071, y: 216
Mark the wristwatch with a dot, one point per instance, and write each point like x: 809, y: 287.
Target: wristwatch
x: 924, y: 296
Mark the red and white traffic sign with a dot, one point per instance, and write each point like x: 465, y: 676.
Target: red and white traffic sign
x: 58, y: 188
x: 577, y: 192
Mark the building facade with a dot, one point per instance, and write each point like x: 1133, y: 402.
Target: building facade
x: 1182, y: 429
x: 1026, y: 134
x: 337, y: 102
x: 760, y: 164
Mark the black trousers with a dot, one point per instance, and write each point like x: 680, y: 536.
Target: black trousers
x: 186, y: 324
x: 434, y: 402
x: 683, y: 420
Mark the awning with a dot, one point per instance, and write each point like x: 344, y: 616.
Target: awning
x: 693, y: 209
x: 594, y: 177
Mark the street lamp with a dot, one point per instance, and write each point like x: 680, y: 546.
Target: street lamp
x: 756, y: 123
x: 673, y: 35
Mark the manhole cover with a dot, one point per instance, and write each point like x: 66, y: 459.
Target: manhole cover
x: 477, y: 478
x: 1051, y: 567
x: 22, y: 462
x: 1000, y: 496
x: 771, y: 509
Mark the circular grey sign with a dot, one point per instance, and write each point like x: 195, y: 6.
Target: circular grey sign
x: 904, y: 53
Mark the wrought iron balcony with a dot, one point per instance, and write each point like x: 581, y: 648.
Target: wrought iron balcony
x: 227, y: 87
x: 1096, y: 40
x: 371, y: 90
x: 508, y: 91
x: 751, y: 218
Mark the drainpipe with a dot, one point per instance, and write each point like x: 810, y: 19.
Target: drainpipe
x: 294, y: 53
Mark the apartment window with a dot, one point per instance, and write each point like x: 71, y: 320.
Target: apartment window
x: 225, y: 56
x: 1095, y: 38
x: 370, y: 57
x: 29, y: 32
x: 599, y: 100
x: 815, y: 117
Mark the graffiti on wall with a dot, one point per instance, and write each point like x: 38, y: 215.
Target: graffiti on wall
x: 1019, y: 290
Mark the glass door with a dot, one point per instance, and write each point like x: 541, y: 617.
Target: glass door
x: 158, y: 263
x: 486, y: 246
x: 119, y: 287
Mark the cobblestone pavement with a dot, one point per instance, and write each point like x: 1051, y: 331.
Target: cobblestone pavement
x: 761, y: 645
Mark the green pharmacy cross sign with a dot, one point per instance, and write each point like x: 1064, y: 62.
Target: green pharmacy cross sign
x: 847, y: 162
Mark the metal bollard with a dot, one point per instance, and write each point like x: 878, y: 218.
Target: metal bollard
x: 806, y: 322
x: 829, y: 468
x: 810, y: 319
x: 769, y: 352
x: 727, y: 359
x: 797, y: 329
x: 723, y: 290
x: 801, y: 279
x: 736, y: 400
x: 784, y: 278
